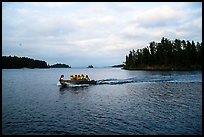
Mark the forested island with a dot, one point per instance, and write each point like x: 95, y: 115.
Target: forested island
x: 9, y: 62
x: 90, y: 66
x: 166, y: 55
x: 58, y: 65
x: 22, y: 62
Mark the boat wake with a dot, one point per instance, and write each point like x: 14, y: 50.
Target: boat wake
x: 179, y: 78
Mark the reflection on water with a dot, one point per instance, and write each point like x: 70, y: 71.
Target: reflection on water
x: 75, y: 90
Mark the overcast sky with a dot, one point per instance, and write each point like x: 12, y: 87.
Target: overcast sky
x: 94, y: 33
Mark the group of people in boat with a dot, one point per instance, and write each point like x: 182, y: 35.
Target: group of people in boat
x: 76, y: 77
x: 80, y: 77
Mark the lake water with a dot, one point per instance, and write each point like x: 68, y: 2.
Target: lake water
x: 123, y: 102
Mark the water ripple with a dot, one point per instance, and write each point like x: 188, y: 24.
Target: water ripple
x: 146, y: 104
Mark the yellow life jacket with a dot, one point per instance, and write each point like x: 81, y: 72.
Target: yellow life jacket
x: 78, y: 78
x: 82, y: 77
x: 87, y: 78
x: 71, y: 78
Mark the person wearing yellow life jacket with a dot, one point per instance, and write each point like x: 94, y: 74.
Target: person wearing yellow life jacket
x: 87, y: 78
x: 82, y: 77
x: 71, y: 77
x: 78, y: 77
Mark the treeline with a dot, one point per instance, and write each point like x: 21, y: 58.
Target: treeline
x: 22, y: 62
x: 167, y: 55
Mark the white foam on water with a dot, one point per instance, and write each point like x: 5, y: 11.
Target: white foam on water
x: 78, y: 85
x: 58, y: 83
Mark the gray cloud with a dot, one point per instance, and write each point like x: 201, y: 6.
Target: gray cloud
x: 101, y: 34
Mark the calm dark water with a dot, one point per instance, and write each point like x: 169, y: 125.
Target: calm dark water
x: 123, y: 102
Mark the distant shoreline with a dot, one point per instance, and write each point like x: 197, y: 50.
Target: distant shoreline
x: 148, y: 68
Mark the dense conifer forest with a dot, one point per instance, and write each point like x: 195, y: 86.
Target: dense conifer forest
x: 166, y: 55
x: 9, y: 62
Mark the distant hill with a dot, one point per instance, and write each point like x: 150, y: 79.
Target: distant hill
x: 60, y: 66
